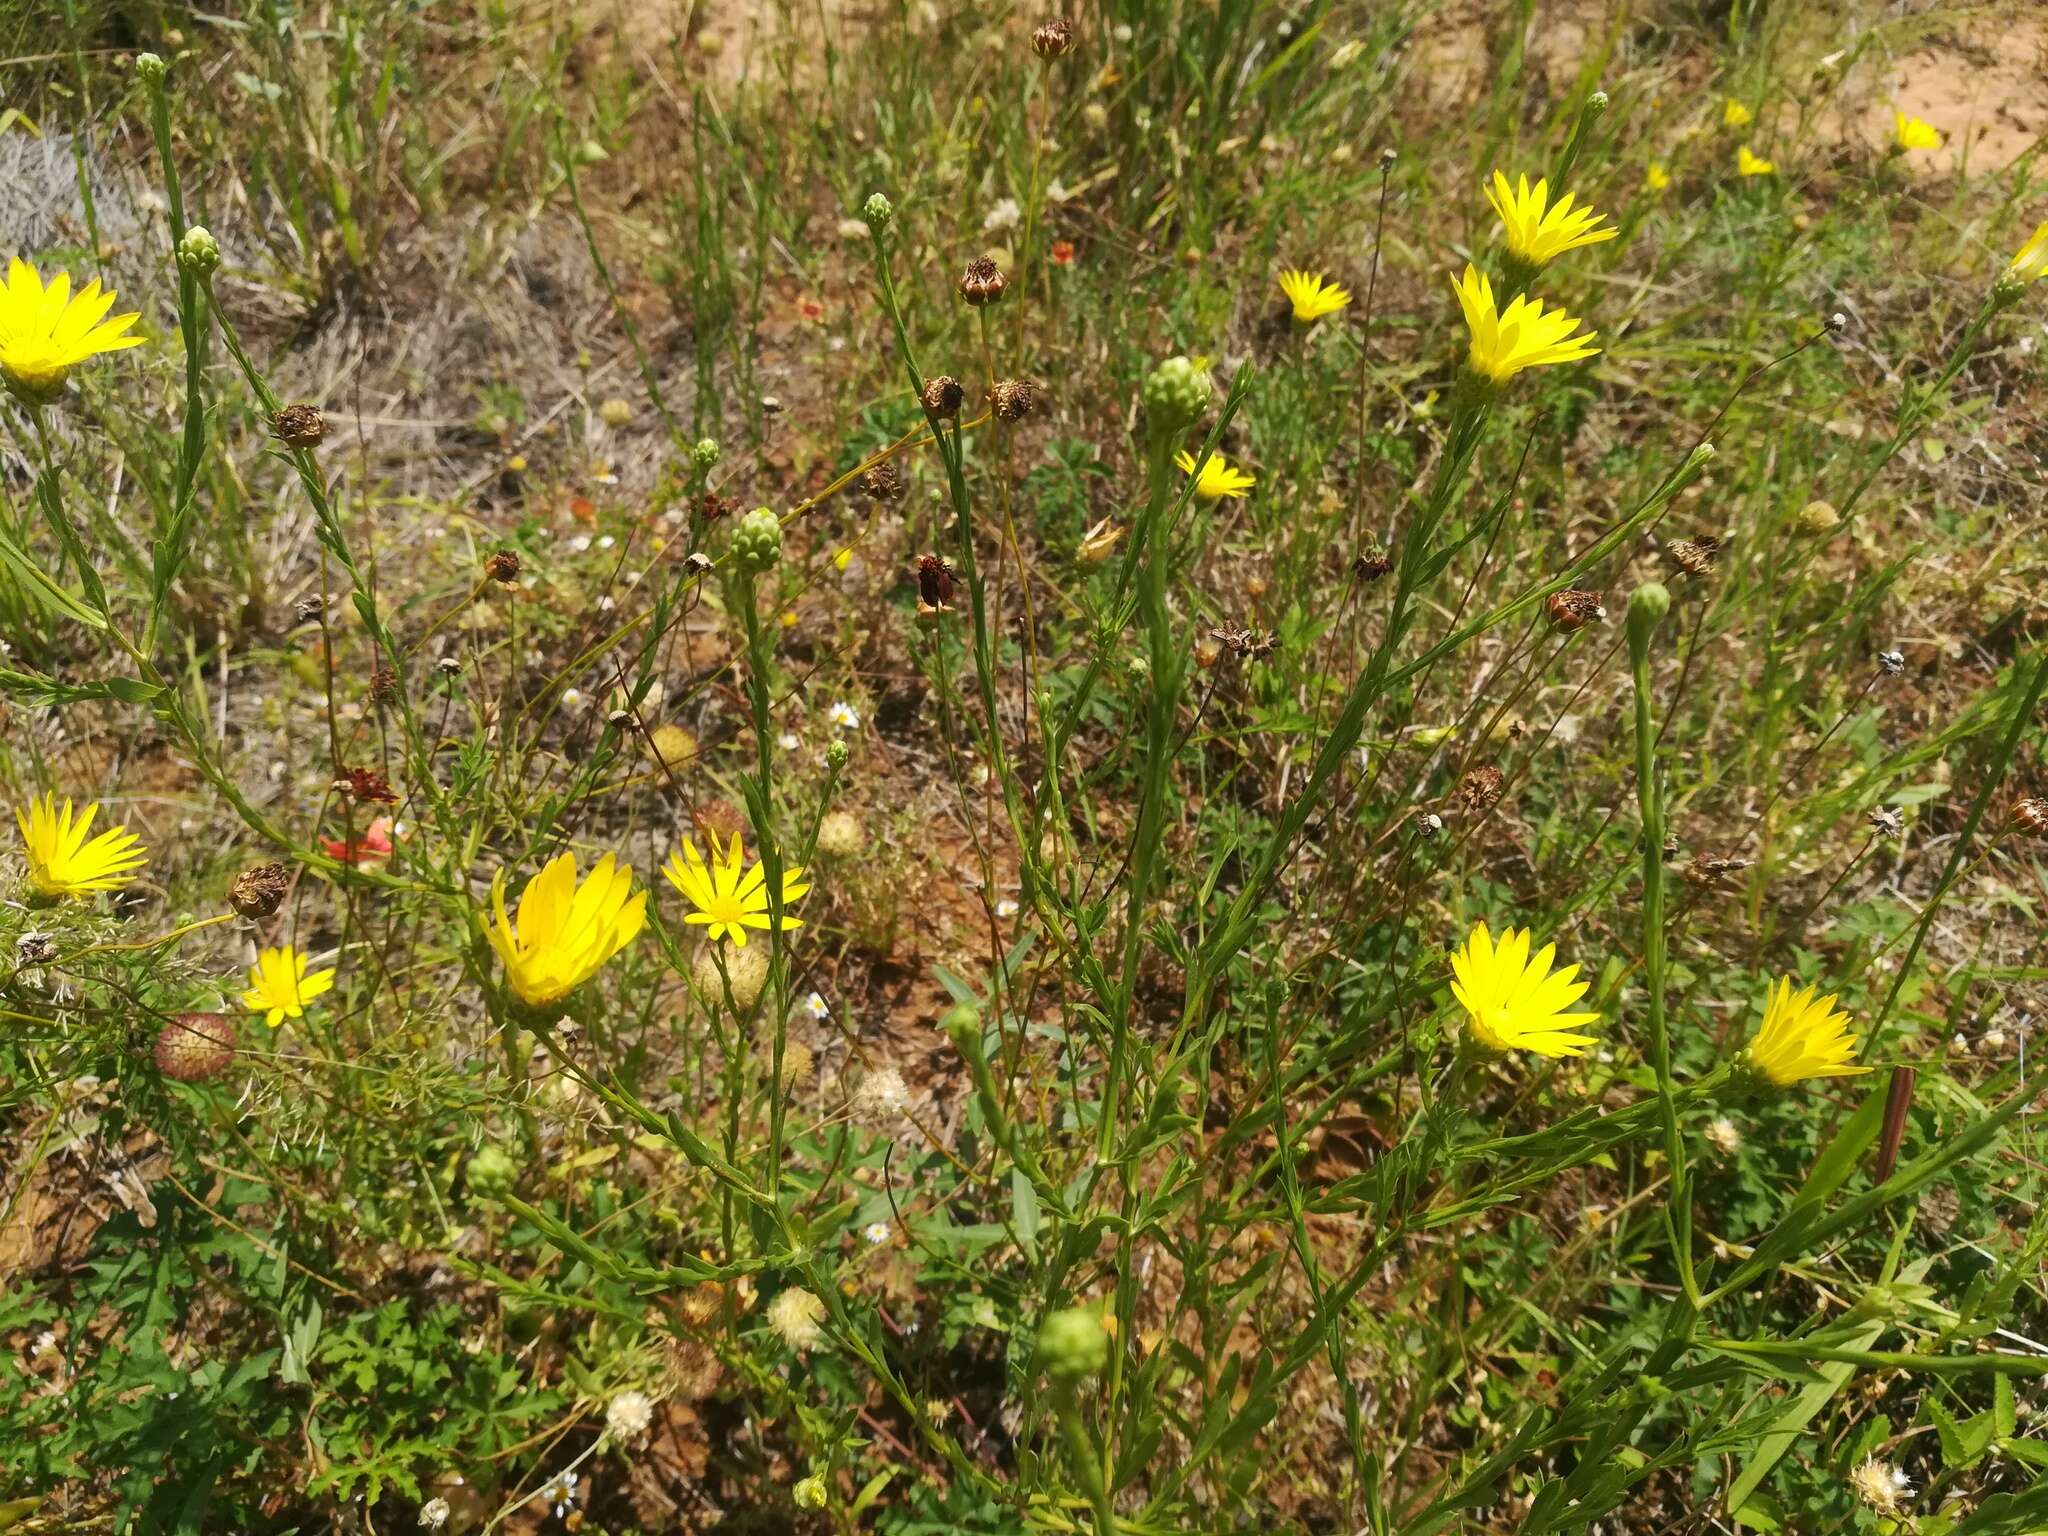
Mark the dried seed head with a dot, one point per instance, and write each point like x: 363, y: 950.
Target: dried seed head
x: 309, y: 608
x: 1246, y: 644
x: 1054, y: 38
x: 449, y: 666
x: 1480, y: 789
x: 1429, y: 825
x: 1695, y: 557
x: 883, y: 483
x: 366, y: 784
x: 982, y: 282
x: 1886, y: 822
x: 195, y: 1046
x: 35, y: 949
x: 260, y: 889
x: 2030, y: 815
x: 942, y: 396
x: 1710, y: 873
x: 1014, y: 399
x: 383, y: 684
x: 719, y: 820
x: 502, y: 566
x: 1208, y: 651
x: 710, y: 507
x: 935, y: 583
x: 671, y: 745
x: 299, y: 426
x: 1571, y: 608
x: 1372, y: 565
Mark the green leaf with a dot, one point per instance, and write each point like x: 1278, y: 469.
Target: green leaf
x: 1024, y: 1212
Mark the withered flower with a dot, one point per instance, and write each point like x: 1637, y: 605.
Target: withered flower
x: 1014, y: 399
x: 982, y: 282
x: 935, y: 582
x: 1710, y: 873
x: 1480, y: 789
x: 1695, y: 557
x: 883, y: 483
x: 1886, y: 822
x: 366, y: 784
x: 710, y: 507
x: 1247, y: 644
x: 1372, y: 565
x: 1571, y: 608
x: 1099, y: 542
x: 941, y: 397
x: 259, y: 890
x: 2030, y: 815
x: 383, y: 683
x: 502, y: 566
x: 299, y: 426
x: 1053, y: 38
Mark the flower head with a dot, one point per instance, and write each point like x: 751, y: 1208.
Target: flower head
x: 1312, y: 296
x: 279, y: 987
x: 1218, y: 478
x: 60, y: 860
x: 1515, y: 1003
x: 372, y: 847
x: 46, y: 331
x: 1524, y: 335
x: 1801, y: 1038
x: 1749, y: 163
x: 1913, y: 133
x: 797, y: 1318
x: 628, y: 1416
x: 1735, y: 115
x: 2032, y: 261
x: 1658, y: 177
x: 843, y: 716
x: 1539, y: 231
x: 564, y: 932
x: 727, y: 900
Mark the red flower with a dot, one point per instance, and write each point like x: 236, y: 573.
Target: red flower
x: 366, y: 784
x: 810, y: 309
x: 374, y: 846
x: 1063, y: 253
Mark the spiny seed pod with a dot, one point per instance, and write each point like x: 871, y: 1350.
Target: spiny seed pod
x: 194, y: 1047
x: 1695, y: 557
x: 757, y: 542
x: 299, y: 426
x: 1054, y: 38
x: 260, y: 890
x: 1014, y: 399
x: 1571, y: 608
x: 982, y: 282
x: 883, y: 483
x: 1481, y: 788
x: 2030, y: 815
x: 502, y: 566
x: 942, y: 396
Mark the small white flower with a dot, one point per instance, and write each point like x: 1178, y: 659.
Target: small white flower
x: 579, y: 544
x: 628, y: 1415
x: 573, y: 698
x: 561, y: 1494
x: 851, y: 228
x: 606, y: 542
x: 876, y: 1232
x: 1057, y: 191
x: 844, y: 716
x: 1006, y: 908
x: 1122, y: 32
x: 788, y: 741
x: 434, y: 1513
x: 816, y: 1007
x: 1724, y: 1134
x: 1005, y: 215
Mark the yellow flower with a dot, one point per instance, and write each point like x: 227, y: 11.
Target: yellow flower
x: 1913, y: 133
x: 1735, y: 115
x: 279, y: 987
x: 62, y: 863
x: 1802, y: 1038
x: 727, y: 901
x: 1526, y: 336
x: 565, y: 932
x: 2032, y: 261
x: 1515, y: 1003
x: 1219, y: 477
x: 1749, y: 163
x: 1312, y: 296
x: 45, y: 332
x: 1657, y: 178
x: 1538, y: 230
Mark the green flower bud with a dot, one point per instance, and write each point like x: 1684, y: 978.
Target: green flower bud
x: 836, y: 755
x: 492, y: 1172
x: 1647, y: 606
x: 1177, y: 392
x: 150, y: 68
x: 1596, y: 103
x: 199, y: 252
x: 757, y: 542
x: 809, y: 1492
x: 2008, y: 290
x: 878, y: 211
x: 704, y: 453
x: 1073, y: 1345
x: 962, y: 1024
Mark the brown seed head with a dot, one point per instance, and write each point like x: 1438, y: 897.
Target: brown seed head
x: 260, y: 889
x: 1695, y: 557
x: 195, y: 1046
x: 883, y: 483
x: 1886, y: 822
x: 1710, y: 873
x: 2030, y: 815
x: 299, y: 426
x: 1054, y: 38
x: 383, y: 684
x: 1480, y: 789
x: 1014, y: 399
x: 1208, y: 651
x: 502, y: 566
x: 1372, y: 565
x: 366, y: 784
x: 1571, y: 608
x: 982, y: 282
x: 935, y: 582
x: 942, y: 396
x: 710, y: 507
x: 1246, y: 644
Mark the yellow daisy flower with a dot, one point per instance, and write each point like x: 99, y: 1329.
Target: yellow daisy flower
x: 1801, y: 1038
x: 729, y: 902
x: 1515, y: 1003
x: 1749, y: 163
x: 564, y: 932
x: 1913, y: 133
x: 2032, y: 261
x: 45, y: 332
x: 1657, y: 178
x: 60, y: 860
x: 279, y: 987
x: 1525, y: 335
x: 1219, y: 477
x: 1735, y: 115
x: 1312, y: 296
x: 1539, y: 231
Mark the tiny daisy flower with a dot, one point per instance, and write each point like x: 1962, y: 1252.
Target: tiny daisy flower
x: 1910, y: 133
x: 876, y: 1232
x: 279, y: 987
x: 1219, y: 477
x: 1658, y: 177
x: 560, y: 1494
x: 816, y: 1006
x: 1312, y: 295
x: 1881, y: 1486
x: 1749, y: 163
x: 61, y: 862
x: 788, y: 741
x: 565, y: 932
x: 1735, y: 115
x: 729, y: 902
x: 1538, y: 230
x: 1524, y: 335
x: 1801, y: 1038
x: 1515, y: 1003
x: 46, y: 331
x: 1006, y: 907
x: 844, y: 716
x: 2032, y: 261
x: 797, y: 1318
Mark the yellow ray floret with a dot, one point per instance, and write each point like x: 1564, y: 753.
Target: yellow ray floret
x: 1312, y: 296
x: 1538, y: 230
x: 1802, y: 1038
x: 1219, y: 477
x: 729, y: 897
x: 1749, y: 163
x: 61, y: 862
x: 279, y: 987
x: 1735, y: 115
x: 564, y: 932
x: 2032, y: 261
x: 1525, y: 335
x: 46, y: 331
x: 1513, y: 1002
x: 1910, y: 132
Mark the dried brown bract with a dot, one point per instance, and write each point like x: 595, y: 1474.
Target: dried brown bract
x: 1710, y: 873
x: 259, y: 890
x: 982, y: 282
x: 1695, y: 557
x: 299, y: 426
x: 1014, y: 399
x: 1571, y: 608
x: 1480, y: 789
x: 942, y: 396
x: 883, y: 483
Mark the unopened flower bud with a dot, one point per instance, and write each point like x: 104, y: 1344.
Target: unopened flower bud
x: 836, y: 754
x: 1596, y: 103
x: 757, y: 542
x: 1647, y: 606
x: 1176, y: 393
x: 199, y: 252
x: 879, y: 212
x: 150, y: 68
x: 704, y: 453
x: 1817, y: 518
x: 1073, y: 1345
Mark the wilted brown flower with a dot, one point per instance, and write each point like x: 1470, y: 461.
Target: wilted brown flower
x: 1099, y: 542
x: 1014, y: 399
x: 883, y: 483
x: 982, y: 282
x: 383, y: 684
x: 502, y: 566
x: 299, y: 426
x: 1886, y: 822
x: 942, y: 396
x: 1372, y: 565
x: 260, y: 889
x: 1481, y: 788
x: 1571, y: 608
x: 710, y: 507
x: 935, y: 582
x: 718, y: 820
x: 1695, y: 557
x: 2030, y: 815
x: 1247, y: 644
x: 195, y: 1046
x: 1053, y: 38
x: 366, y: 784
x: 1710, y: 873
